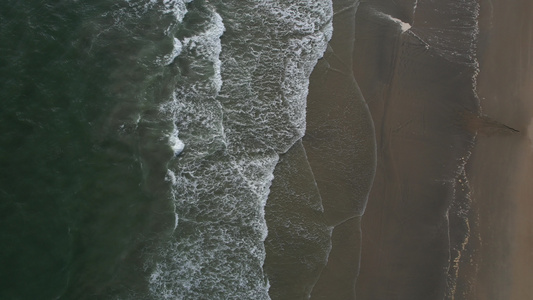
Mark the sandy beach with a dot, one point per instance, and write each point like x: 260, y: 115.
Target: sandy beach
x: 447, y: 126
x: 502, y: 165
x: 470, y: 236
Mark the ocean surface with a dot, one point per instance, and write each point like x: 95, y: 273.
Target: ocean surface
x: 209, y: 149
x: 139, y: 140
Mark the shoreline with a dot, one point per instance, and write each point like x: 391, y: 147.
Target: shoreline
x: 501, y: 187
x: 340, y: 145
x: 447, y: 215
x: 414, y: 229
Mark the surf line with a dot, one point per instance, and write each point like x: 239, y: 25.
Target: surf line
x: 403, y: 25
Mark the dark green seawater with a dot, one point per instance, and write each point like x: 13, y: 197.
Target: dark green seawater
x: 97, y: 199
x: 76, y: 201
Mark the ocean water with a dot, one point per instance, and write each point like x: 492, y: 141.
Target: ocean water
x: 139, y: 140
x: 209, y: 149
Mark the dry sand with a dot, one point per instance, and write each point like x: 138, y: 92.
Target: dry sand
x: 501, y: 170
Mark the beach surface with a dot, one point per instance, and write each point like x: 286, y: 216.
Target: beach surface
x: 449, y: 96
x: 502, y: 164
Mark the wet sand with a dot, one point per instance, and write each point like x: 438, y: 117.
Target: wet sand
x: 340, y: 145
x: 471, y: 236
x: 449, y: 209
x: 298, y: 240
x: 414, y: 228
x: 339, y: 149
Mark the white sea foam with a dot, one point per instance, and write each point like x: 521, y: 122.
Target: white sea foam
x: 176, y: 144
x: 403, y: 25
x: 297, y: 35
x: 415, y: 5
x: 473, y: 46
x: 207, y: 44
x: 175, y: 7
x: 171, y: 177
x: 234, y: 109
x: 237, y: 106
x: 450, y: 28
x: 176, y: 50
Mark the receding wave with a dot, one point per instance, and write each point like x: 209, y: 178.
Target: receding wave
x: 242, y: 72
